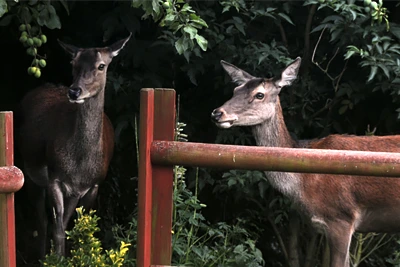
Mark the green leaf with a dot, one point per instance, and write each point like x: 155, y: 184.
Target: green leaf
x: 65, y: 5
x: 191, y: 31
x: 334, y: 18
x: 278, y: 218
x: 3, y: 7
x: 386, y: 45
x: 385, y: 69
x: 43, y: 16
x: 335, y: 34
x: 262, y: 188
x: 239, y: 249
x: 395, y: 30
x: 379, y: 48
x: 186, y: 54
x: 170, y: 17
x: 372, y: 74
x: 49, y: 18
x: 136, y: 3
x: 187, y: 8
x: 179, y: 46
x: 231, y: 182
x: 321, y: 27
x: 239, y: 24
x: 343, y: 109
x: 156, y: 7
x: 225, y: 9
x: 353, y: 14
x: 26, y: 13
x: 192, y: 75
x: 196, y: 19
x: 349, y: 54
x: 202, y: 42
x: 286, y: 17
x: 262, y: 57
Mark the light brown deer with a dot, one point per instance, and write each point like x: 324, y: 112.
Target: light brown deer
x: 66, y: 141
x: 337, y: 205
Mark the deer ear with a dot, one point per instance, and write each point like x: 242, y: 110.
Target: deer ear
x: 117, y: 46
x: 237, y: 75
x: 289, y: 74
x: 72, y: 50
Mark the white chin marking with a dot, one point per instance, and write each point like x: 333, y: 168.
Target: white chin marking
x: 78, y: 101
x: 224, y: 125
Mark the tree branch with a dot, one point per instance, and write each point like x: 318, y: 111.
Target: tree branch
x: 335, y: 80
x: 283, y: 33
x: 279, y: 237
x: 307, y: 31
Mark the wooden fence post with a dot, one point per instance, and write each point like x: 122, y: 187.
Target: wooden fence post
x: 164, y: 129
x: 7, y: 219
x: 157, y: 122
x: 145, y: 186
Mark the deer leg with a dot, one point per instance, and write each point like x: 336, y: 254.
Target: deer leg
x: 70, y: 204
x: 339, y: 238
x: 42, y: 222
x: 57, y: 208
x: 89, y: 198
x: 38, y: 195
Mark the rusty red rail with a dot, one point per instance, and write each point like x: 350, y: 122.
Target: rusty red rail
x: 158, y: 153
x: 276, y: 159
x: 11, y: 180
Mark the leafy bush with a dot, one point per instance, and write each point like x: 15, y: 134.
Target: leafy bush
x: 86, y: 248
x: 196, y: 242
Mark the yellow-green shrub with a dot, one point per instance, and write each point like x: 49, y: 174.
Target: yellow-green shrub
x: 86, y: 248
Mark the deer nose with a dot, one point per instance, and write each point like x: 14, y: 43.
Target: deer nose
x: 216, y: 115
x: 74, y: 93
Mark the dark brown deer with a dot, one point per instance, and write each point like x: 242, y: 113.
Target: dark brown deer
x: 66, y: 141
x: 337, y: 205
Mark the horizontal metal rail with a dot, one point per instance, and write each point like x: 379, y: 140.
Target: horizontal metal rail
x: 385, y: 164
x: 11, y: 179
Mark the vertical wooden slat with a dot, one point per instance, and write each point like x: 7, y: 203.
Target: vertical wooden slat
x: 145, y: 178
x: 7, y: 219
x: 164, y: 129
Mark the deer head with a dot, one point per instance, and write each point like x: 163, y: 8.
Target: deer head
x: 254, y: 99
x: 89, y: 69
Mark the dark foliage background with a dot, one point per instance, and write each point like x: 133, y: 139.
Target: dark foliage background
x: 258, y: 36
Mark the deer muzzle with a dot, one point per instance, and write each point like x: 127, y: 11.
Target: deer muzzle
x: 74, y: 93
x: 221, y: 119
x: 216, y: 115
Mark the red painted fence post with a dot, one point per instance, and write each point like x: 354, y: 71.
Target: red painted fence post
x: 7, y: 219
x: 145, y: 187
x: 164, y: 129
x: 157, y: 122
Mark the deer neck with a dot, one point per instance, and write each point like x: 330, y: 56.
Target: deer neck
x: 273, y: 133
x: 89, y: 121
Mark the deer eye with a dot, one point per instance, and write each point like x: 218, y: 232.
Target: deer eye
x: 101, y: 67
x: 260, y: 96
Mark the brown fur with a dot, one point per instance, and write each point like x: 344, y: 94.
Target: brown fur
x: 67, y: 141
x: 335, y: 204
